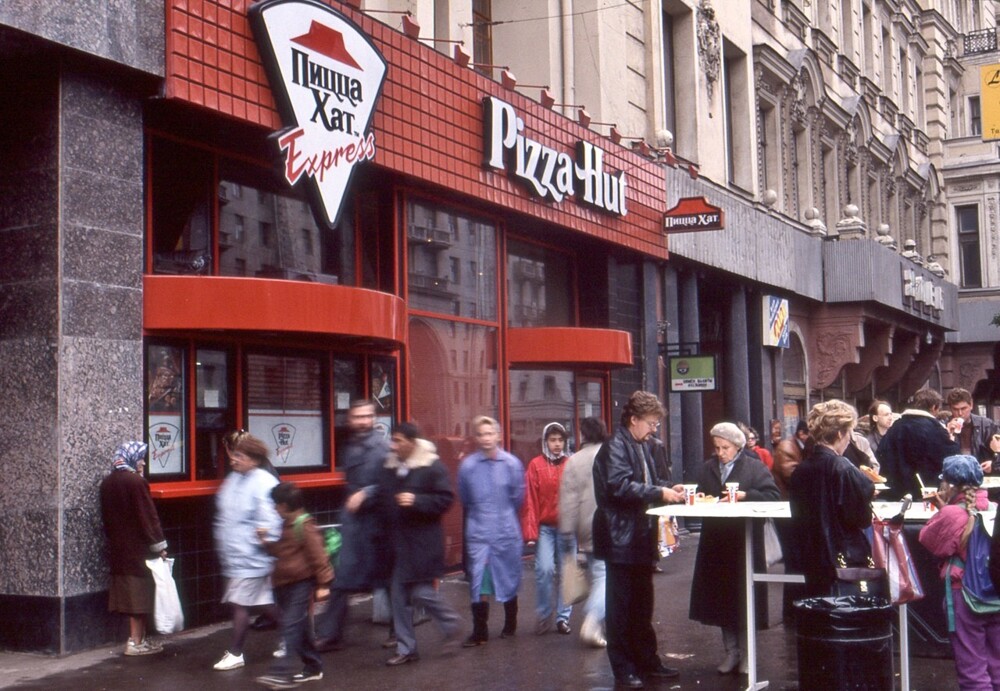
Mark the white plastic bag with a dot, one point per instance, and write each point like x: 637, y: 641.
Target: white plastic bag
x: 167, y: 614
x: 772, y: 546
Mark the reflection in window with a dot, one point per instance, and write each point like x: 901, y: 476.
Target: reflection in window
x: 213, y: 414
x: 441, y: 408
x: 285, y: 407
x: 439, y: 242
x: 538, y: 286
x: 182, y: 193
x: 165, y: 409
x: 543, y: 396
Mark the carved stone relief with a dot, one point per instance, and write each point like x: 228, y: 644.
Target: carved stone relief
x: 709, y: 44
x: 834, y: 349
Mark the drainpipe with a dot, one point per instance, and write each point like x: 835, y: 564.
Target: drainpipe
x: 568, y: 68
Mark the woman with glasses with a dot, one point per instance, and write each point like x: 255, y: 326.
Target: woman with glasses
x: 243, y: 505
x: 755, y: 447
x: 717, y: 596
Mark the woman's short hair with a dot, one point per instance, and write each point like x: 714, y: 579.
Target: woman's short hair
x: 642, y: 403
x: 249, y: 445
x: 592, y: 430
x: 830, y: 419
x: 481, y: 420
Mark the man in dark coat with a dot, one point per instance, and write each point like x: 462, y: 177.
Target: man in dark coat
x: 625, y: 537
x: 361, y: 550
x: 916, y: 444
x: 975, y: 434
x: 415, y: 493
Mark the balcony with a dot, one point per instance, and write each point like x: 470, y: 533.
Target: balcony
x: 978, y: 42
x: 426, y: 283
x: 430, y: 236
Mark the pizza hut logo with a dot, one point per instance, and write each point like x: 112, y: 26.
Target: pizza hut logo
x: 326, y: 76
x: 163, y: 438
x: 284, y: 438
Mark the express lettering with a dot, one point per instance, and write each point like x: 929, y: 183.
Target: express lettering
x: 301, y: 160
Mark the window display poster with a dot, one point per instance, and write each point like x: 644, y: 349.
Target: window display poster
x: 166, y: 445
x: 383, y: 425
x: 295, y: 438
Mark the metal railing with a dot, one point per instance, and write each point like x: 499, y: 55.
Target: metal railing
x: 982, y: 41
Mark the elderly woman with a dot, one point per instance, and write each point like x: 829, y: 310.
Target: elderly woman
x: 243, y: 505
x: 717, y: 596
x: 134, y: 535
x: 976, y: 637
x: 830, y: 500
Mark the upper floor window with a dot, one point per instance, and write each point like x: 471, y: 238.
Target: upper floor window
x: 970, y: 263
x: 539, y: 286
x: 482, y: 35
x: 975, y: 117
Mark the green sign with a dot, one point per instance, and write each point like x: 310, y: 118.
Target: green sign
x: 692, y: 373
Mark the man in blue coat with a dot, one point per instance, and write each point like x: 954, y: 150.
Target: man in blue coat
x: 491, y: 488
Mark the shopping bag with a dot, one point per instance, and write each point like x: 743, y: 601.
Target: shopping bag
x: 890, y: 552
x: 772, y: 546
x: 574, y: 581
x: 666, y: 530
x: 168, y: 617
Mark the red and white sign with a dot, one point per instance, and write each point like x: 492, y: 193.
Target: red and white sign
x: 326, y: 76
x: 693, y: 213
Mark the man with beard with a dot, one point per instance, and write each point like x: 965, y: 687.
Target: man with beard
x: 361, y: 550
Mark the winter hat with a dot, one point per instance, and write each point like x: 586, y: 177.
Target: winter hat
x: 128, y: 454
x: 962, y: 470
x: 729, y: 432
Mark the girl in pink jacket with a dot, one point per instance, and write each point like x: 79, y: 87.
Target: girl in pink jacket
x: 976, y: 638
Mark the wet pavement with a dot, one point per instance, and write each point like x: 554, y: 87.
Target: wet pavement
x: 527, y: 661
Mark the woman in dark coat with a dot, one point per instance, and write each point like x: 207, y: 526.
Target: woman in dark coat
x: 830, y: 500
x: 717, y: 588
x: 134, y: 535
x: 415, y: 493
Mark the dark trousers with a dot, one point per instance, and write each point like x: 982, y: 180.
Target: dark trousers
x: 293, y: 600
x: 629, y: 619
x: 330, y: 626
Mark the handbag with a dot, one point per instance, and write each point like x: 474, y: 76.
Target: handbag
x: 574, y: 581
x: 168, y: 617
x: 864, y: 581
x: 890, y: 552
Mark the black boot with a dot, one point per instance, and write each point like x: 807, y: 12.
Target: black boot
x: 509, y: 618
x: 480, y: 625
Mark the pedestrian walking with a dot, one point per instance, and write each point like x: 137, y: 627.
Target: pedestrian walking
x: 364, y: 554
x: 576, y: 516
x: 242, y: 505
x: 540, y: 525
x: 415, y: 493
x: 625, y: 486
x: 134, y: 534
x: 491, y: 488
x: 301, y: 571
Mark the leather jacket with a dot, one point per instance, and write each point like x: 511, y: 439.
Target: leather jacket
x: 625, y: 486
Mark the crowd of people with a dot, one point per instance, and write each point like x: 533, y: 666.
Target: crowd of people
x: 590, y: 505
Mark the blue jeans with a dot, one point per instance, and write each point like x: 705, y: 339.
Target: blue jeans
x: 293, y: 600
x: 550, y: 550
x: 594, y: 606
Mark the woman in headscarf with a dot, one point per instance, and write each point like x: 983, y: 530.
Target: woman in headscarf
x: 134, y: 535
x: 717, y: 593
x: 243, y: 505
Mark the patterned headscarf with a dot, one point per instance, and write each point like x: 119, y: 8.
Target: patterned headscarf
x: 128, y: 454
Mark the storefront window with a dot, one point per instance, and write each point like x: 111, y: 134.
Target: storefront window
x: 444, y: 399
x: 539, y: 290
x: 266, y: 230
x: 451, y: 263
x: 382, y: 376
x: 165, y: 410
x: 538, y: 397
x: 214, y: 415
x: 285, y: 407
x: 182, y: 211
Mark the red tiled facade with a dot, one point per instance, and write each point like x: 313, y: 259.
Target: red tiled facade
x: 428, y: 124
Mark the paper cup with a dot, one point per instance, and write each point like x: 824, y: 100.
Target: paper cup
x: 731, y: 488
x: 928, y: 496
x: 690, y: 491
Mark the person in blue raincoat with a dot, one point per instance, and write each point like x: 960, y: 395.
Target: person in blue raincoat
x: 491, y: 488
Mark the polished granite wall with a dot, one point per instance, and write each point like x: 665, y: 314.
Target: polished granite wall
x: 71, y: 264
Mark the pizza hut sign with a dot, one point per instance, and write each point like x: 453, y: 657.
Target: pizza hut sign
x: 326, y: 76
x: 548, y: 173
x: 693, y: 213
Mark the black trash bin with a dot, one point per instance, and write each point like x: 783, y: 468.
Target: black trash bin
x: 844, y: 643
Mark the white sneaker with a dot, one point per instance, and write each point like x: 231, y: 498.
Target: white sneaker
x: 281, y: 651
x: 228, y: 662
